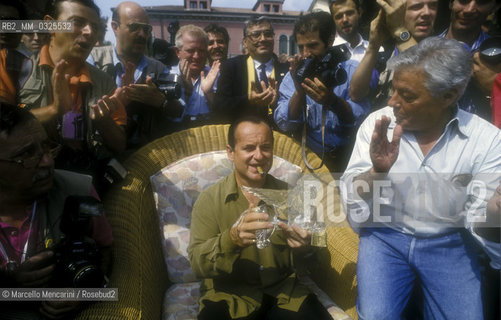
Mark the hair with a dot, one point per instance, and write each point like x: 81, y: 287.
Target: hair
x: 248, y: 118
x: 341, y: 2
x: 12, y: 117
x: 53, y: 7
x: 255, y: 21
x: 115, y: 16
x: 18, y: 5
x: 319, y: 21
x: 192, y: 30
x: 214, y: 28
x: 446, y: 64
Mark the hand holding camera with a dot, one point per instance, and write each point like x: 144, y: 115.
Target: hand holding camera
x: 146, y: 93
x: 487, y: 64
x: 327, y: 68
x: 35, y: 272
x: 318, y: 76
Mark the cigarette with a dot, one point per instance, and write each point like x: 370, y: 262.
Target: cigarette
x: 260, y: 171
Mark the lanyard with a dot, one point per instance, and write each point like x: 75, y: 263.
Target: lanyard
x: 25, y: 250
x: 303, y: 139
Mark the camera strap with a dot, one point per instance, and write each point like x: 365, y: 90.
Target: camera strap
x: 25, y: 250
x: 303, y: 139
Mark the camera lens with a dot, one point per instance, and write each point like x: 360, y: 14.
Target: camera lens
x: 490, y: 50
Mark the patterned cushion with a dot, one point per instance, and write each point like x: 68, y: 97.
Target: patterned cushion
x: 175, y: 190
x: 181, y: 301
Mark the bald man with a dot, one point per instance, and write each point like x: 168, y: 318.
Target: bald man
x: 148, y: 111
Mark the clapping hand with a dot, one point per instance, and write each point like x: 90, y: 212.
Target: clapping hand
x: 268, y: 96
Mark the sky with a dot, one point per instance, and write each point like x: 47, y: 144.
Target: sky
x: 105, y: 5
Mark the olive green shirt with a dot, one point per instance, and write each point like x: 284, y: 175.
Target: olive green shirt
x: 239, y: 276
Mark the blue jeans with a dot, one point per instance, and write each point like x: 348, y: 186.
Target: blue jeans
x: 390, y: 263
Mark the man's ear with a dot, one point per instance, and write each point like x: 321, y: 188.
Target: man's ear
x: 177, y: 52
x: 450, y: 96
x: 229, y: 152
x: 360, y: 11
x: 114, y: 26
x: 49, y: 18
x: 330, y: 41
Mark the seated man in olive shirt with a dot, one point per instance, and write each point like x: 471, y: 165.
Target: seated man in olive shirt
x: 240, y: 280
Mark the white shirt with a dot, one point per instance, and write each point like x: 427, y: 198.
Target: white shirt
x: 426, y: 197
x: 357, y: 52
x: 269, y: 67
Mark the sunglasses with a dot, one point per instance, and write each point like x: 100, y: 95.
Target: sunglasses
x: 135, y: 27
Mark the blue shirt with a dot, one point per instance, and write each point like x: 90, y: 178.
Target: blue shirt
x: 476, y: 44
x: 197, y: 103
x: 121, y: 69
x: 337, y: 133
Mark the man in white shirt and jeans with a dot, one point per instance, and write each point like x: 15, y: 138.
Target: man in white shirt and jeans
x: 419, y: 179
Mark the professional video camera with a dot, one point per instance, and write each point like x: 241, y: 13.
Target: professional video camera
x: 327, y: 69
x: 77, y: 257
x: 169, y: 85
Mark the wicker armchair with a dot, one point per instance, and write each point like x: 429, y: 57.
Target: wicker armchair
x: 139, y: 271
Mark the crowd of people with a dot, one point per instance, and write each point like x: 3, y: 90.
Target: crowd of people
x: 410, y: 103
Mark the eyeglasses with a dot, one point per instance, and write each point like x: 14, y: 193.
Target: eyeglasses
x: 31, y: 162
x: 256, y: 35
x: 135, y: 27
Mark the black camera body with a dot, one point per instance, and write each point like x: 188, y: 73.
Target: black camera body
x: 77, y: 257
x: 327, y: 69
x: 170, y: 85
x: 490, y: 50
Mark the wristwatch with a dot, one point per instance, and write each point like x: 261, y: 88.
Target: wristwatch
x: 403, y: 35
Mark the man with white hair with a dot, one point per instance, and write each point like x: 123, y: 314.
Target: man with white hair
x: 198, y: 80
x: 421, y: 171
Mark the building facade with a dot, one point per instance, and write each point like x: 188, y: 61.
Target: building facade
x: 201, y: 13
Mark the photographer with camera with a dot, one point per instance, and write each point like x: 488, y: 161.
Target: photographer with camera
x: 39, y: 214
x: 320, y: 104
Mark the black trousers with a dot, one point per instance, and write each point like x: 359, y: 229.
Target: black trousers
x: 310, y: 309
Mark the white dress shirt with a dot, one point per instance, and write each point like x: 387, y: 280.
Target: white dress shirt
x: 429, y: 195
